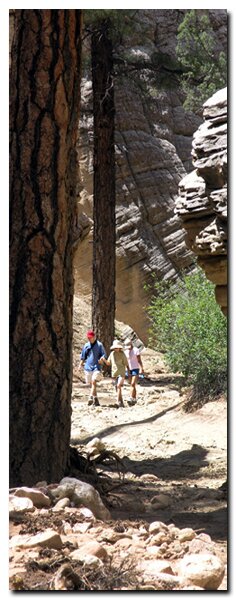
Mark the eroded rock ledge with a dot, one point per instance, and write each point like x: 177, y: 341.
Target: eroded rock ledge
x: 202, y: 201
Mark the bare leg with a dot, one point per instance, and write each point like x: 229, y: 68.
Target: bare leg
x: 119, y: 394
x: 119, y: 391
x: 93, y: 389
x: 133, y: 387
x: 94, y: 393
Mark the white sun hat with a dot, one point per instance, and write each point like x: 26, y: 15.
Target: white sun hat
x: 116, y: 344
x: 128, y: 343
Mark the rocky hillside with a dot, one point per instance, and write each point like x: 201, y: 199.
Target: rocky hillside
x: 153, y: 153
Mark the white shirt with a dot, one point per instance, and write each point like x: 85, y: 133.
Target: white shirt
x: 132, y: 358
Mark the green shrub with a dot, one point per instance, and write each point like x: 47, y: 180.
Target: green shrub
x: 189, y: 327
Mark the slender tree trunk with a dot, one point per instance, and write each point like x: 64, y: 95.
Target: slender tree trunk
x: 104, y: 239
x: 44, y: 112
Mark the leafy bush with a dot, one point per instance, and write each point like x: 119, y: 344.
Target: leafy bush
x: 188, y: 325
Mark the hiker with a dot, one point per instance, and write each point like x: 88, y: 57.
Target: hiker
x: 91, y: 358
x: 119, y: 364
x: 135, y: 368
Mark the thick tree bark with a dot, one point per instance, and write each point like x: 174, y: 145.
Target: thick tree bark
x: 44, y: 112
x: 104, y: 238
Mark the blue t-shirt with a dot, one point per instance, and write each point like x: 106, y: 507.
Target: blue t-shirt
x: 91, y: 354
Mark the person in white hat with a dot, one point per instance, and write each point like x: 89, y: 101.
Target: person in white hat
x: 135, y: 368
x: 118, y: 362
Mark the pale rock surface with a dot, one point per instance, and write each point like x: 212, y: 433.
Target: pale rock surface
x: 38, y: 498
x: 153, y: 137
x: 204, y: 570
x: 81, y: 493
x: 61, y: 504
x: 46, y: 539
x: 161, y: 500
x: 186, y: 534
x: 202, y: 201
x: 158, y: 566
x: 87, y: 559
x: 157, y: 526
x: 19, y: 505
x: 92, y: 548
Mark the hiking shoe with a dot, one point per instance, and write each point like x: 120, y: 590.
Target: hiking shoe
x: 90, y: 401
x: 95, y: 401
x: 131, y: 402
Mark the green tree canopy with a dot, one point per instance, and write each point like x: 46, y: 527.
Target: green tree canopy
x: 120, y: 22
x: 204, y: 65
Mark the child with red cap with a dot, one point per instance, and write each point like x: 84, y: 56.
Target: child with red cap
x: 91, y: 358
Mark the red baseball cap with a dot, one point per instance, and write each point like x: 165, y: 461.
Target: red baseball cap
x: 90, y: 333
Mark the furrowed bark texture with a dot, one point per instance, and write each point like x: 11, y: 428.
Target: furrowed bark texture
x: 44, y: 112
x: 104, y: 237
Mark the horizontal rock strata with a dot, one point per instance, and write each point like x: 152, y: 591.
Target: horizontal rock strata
x: 153, y: 137
x: 202, y: 201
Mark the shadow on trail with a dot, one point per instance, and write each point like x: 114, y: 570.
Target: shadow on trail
x: 208, y: 520
x: 165, y: 379
x: 192, y: 505
x: 116, y: 428
x: 212, y: 522
x: 180, y: 466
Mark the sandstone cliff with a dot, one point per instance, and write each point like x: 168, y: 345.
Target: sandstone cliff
x: 153, y: 153
x: 202, y: 202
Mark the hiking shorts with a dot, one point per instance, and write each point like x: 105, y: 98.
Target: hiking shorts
x: 95, y: 375
x: 134, y: 372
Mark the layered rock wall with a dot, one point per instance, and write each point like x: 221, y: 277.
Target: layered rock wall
x: 202, y: 201
x: 153, y: 153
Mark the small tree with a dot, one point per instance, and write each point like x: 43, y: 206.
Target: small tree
x: 204, y: 66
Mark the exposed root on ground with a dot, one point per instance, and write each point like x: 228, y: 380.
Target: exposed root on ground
x: 86, y: 468
x: 76, y: 576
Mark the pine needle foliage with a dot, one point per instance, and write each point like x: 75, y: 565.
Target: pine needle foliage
x: 204, y: 66
x: 118, y: 22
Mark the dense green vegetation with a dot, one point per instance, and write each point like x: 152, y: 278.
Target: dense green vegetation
x: 188, y: 325
x: 119, y: 22
x: 204, y: 66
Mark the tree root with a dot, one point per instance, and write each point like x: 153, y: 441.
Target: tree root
x: 107, y: 577
x: 86, y: 469
x: 106, y: 456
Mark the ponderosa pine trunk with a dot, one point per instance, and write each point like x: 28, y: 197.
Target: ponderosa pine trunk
x: 44, y: 113
x: 104, y: 237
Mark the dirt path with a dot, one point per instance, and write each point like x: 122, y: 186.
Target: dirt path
x: 165, y: 450
x: 173, y: 464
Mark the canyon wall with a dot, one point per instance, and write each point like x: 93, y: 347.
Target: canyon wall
x: 153, y: 153
x: 202, y: 202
